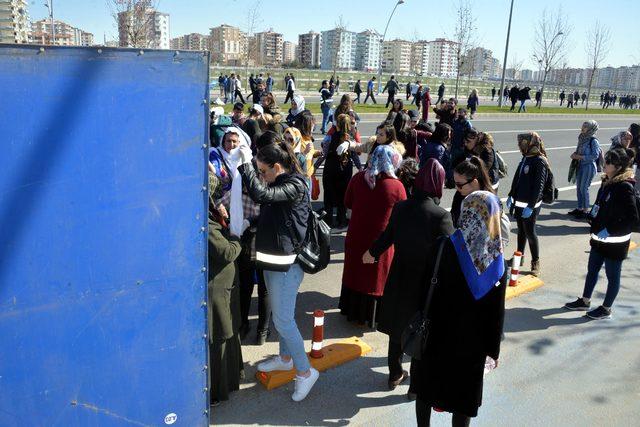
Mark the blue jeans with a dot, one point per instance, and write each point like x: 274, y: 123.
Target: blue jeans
x: 325, y: 118
x: 283, y: 290
x: 522, y: 106
x: 584, y: 176
x: 612, y: 267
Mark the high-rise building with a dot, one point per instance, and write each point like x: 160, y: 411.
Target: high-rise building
x: 193, y: 41
x: 309, y: 49
x: 227, y: 45
x: 368, y: 44
x: 65, y: 34
x: 419, y: 58
x: 480, y: 63
x: 288, y: 52
x: 396, y: 56
x: 339, y: 49
x: 442, y: 58
x: 14, y: 21
x: 270, y: 45
x: 149, y: 29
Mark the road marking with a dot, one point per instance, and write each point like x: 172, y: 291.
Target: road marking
x: 545, y: 130
x: 570, y: 147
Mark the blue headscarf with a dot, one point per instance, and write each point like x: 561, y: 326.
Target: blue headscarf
x: 478, y: 244
x: 384, y: 159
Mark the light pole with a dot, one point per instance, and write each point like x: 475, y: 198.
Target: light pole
x: 506, y: 52
x: 382, y: 43
x: 49, y: 5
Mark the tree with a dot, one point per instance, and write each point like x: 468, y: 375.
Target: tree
x: 516, y: 66
x: 550, y: 42
x: 251, y: 45
x: 464, y: 31
x: 597, y: 47
x: 341, y: 26
x: 134, y: 20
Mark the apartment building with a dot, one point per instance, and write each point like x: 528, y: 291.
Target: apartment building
x: 14, y: 21
x: 65, y: 34
x: 270, y: 46
x: 396, y: 56
x: 227, y: 45
x: 145, y: 30
x: 339, y: 49
x: 193, y: 41
x: 288, y: 52
x: 309, y: 46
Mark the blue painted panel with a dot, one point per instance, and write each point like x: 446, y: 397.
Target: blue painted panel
x: 101, y: 249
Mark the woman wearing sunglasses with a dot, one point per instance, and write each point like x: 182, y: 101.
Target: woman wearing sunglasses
x: 470, y: 175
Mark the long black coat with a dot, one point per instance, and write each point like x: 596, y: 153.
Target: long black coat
x: 463, y: 332
x: 413, y: 229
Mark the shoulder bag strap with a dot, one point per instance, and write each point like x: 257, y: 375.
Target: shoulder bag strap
x: 434, y: 277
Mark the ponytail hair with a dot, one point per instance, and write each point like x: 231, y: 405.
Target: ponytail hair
x: 280, y: 153
x: 474, y: 168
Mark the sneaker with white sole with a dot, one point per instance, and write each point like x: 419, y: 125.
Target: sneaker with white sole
x: 275, y: 364
x: 304, y: 385
x: 599, y: 313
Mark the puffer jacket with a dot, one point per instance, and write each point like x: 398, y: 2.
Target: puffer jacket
x: 614, y: 210
x: 528, y: 184
x: 284, y: 209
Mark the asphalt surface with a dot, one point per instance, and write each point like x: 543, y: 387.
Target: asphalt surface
x: 557, y: 368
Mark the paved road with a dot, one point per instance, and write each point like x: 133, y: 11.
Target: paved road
x: 556, y: 367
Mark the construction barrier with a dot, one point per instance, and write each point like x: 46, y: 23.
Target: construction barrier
x: 515, y: 268
x: 318, y: 334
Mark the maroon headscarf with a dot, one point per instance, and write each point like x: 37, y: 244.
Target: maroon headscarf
x: 430, y: 179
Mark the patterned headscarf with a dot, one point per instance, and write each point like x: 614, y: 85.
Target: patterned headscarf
x: 478, y: 242
x: 384, y: 159
x: 531, y: 144
x: 215, y: 192
x: 297, y: 137
x: 592, y: 128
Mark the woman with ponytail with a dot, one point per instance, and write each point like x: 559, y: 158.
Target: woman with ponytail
x: 525, y: 197
x: 282, y: 225
x: 612, y: 218
x: 470, y: 175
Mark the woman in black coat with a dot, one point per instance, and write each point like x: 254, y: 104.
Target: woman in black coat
x: 467, y: 314
x: 413, y: 229
x: 338, y: 169
x: 612, y: 219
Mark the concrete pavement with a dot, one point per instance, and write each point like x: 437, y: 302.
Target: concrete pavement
x: 556, y: 367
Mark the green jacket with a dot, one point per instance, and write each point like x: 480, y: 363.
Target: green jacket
x: 224, y: 302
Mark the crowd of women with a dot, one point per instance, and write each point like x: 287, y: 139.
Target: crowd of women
x: 395, y: 228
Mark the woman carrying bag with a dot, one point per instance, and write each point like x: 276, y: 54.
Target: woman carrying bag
x: 466, y: 314
x: 414, y: 227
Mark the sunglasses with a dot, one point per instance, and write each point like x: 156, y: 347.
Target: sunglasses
x: 459, y: 185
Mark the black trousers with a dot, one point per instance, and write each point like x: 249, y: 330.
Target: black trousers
x: 390, y: 99
x: 394, y: 360
x: 247, y: 275
x: 289, y: 96
x: 239, y: 94
x: 527, y: 232
x: 357, y: 97
x: 370, y: 94
x: 423, y: 416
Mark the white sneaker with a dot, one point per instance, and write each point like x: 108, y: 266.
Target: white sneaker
x: 304, y: 385
x: 275, y: 364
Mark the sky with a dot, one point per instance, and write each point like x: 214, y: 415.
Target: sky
x: 422, y: 18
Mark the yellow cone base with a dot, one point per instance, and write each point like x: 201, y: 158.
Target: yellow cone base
x: 525, y: 284
x: 334, y: 355
x: 633, y: 245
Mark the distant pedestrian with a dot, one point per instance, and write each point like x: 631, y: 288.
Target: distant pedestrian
x: 493, y: 93
x: 570, y: 99
x: 466, y: 314
x: 523, y: 97
x: 525, y: 197
x: 538, y: 98
x: 584, y: 97
x: 561, y: 97
x: 505, y: 94
x: 426, y: 103
x: 337, y: 84
x: 441, y: 90
x: 326, y: 102
x: 238, y: 90
x: 414, y: 228
x: 221, y: 85
x: 269, y: 83
x: 587, y: 156
x: 514, y: 95
x: 357, y: 89
x: 370, y: 85
x: 612, y: 217
x: 392, y: 87
x: 408, y: 90
x: 291, y: 88
x: 252, y: 83
x: 472, y: 102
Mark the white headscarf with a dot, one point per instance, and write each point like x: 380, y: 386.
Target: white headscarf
x: 299, y: 100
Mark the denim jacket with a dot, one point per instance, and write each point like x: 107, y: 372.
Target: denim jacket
x: 591, y: 151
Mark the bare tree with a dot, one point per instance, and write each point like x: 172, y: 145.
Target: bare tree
x: 251, y: 45
x: 341, y: 26
x: 516, y: 65
x: 550, y: 42
x: 463, y: 35
x: 597, y: 47
x: 134, y: 20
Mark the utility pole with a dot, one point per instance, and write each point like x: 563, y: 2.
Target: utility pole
x: 506, y: 52
x: 384, y: 35
x: 49, y: 5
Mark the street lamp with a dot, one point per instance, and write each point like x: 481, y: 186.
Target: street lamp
x: 382, y: 42
x: 506, y: 51
x: 49, y: 5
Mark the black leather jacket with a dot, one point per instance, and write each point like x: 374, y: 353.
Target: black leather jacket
x: 284, y: 208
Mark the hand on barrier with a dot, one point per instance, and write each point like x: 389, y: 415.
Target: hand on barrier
x: 603, y: 234
x: 509, y: 203
x: 526, y: 213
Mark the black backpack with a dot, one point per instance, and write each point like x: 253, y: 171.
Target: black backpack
x: 549, y: 192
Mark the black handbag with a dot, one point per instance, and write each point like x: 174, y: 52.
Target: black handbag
x: 415, y: 335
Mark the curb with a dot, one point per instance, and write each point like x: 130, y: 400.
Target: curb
x: 525, y: 284
x: 333, y: 355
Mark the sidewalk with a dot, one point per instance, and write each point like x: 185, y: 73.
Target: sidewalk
x: 549, y: 355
